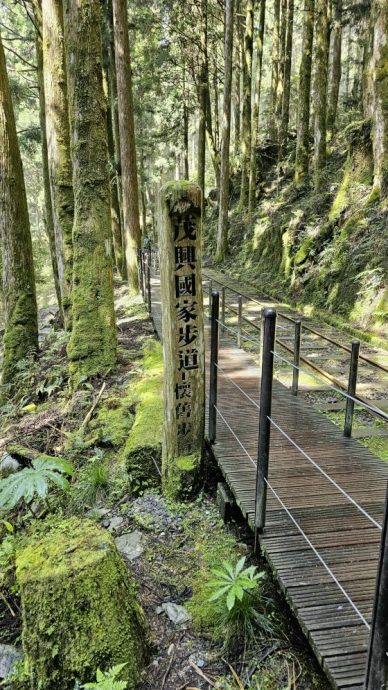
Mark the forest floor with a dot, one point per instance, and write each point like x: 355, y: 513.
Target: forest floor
x: 170, y: 549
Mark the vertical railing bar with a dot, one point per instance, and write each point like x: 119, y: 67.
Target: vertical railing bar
x: 295, y: 371
x: 213, y: 376
x: 268, y: 329
x: 239, y: 321
x: 352, y: 385
x: 222, y: 308
x: 210, y: 295
x: 376, y: 677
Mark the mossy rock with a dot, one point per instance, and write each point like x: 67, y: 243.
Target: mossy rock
x: 143, y: 450
x: 79, y: 606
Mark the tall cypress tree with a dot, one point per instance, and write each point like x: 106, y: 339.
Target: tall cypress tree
x: 92, y: 346
x: 21, y: 323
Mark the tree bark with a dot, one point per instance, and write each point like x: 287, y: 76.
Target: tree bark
x: 256, y: 108
x: 222, y: 234
x: 378, y: 76
x: 237, y: 83
x: 130, y: 190
x: 247, y: 107
x: 110, y: 79
x: 287, y: 75
x: 202, y: 103
x: 303, y: 121
x: 58, y: 144
x: 48, y: 209
x: 21, y: 323
x: 275, y: 66
x: 320, y: 90
x: 92, y: 346
x: 282, y: 62
x: 335, y: 76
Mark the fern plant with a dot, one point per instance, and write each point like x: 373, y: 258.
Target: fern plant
x: 34, y: 482
x: 240, y: 609
x: 107, y: 680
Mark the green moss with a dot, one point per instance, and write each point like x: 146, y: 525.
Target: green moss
x: 144, y: 445
x: 114, y: 421
x: 182, y: 478
x: 187, y: 462
x: 79, y: 606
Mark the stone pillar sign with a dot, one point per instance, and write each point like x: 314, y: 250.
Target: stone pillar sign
x: 183, y: 337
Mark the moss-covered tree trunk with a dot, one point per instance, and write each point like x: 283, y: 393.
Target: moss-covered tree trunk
x: 222, y: 233
x: 58, y: 144
x: 111, y: 88
x: 275, y: 57
x: 48, y: 209
x: 336, y: 66
x: 256, y: 107
x: 21, y: 324
x: 303, y: 118
x: 92, y: 346
x: 378, y: 76
x: 287, y: 75
x: 183, y: 337
x: 246, y: 132
x: 131, y: 215
x: 236, y: 75
x: 320, y: 89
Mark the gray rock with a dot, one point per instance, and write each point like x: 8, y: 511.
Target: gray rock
x: 176, y: 613
x: 115, y: 523
x: 8, y: 465
x: 9, y: 655
x: 130, y: 545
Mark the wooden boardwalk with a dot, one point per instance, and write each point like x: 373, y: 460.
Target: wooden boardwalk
x: 344, y: 537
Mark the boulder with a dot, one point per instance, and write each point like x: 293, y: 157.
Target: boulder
x: 80, y: 611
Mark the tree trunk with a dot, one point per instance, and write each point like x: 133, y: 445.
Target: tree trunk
x: 127, y: 142
x: 303, y: 123
x: 256, y: 107
x: 247, y: 107
x: 335, y: 67
x: 320, y: 90
x: 202, y: 104
x: 378, y: 74
x: 237, y: 84
x: 282, y: 62
x: 222, y: 235
x: 58, y: 144
x: 48, y: 209
x: 21, y: 324
x: 92, y: 346
x: 275, y: 66
x: 287, y: 75
x: 109, y: 79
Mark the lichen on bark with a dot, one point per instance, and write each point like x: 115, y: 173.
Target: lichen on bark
x: 92, y: 346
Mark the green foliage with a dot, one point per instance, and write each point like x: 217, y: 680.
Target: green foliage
x: 233, y: 585
x: 107, y: 680
x: 93, y: 481
x: 34, y: 481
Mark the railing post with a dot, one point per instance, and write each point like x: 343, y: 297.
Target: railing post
x: 140, y: 264
x: 268, y: 330
x: 352, y: 384
x: 144, y: 271
x: 210, y: 295
x: 223, y: 308
x: 295, y: 371
x: 376, y: 677
x: 149, y: 281
x: 215, y: 303
x: 239, y: 321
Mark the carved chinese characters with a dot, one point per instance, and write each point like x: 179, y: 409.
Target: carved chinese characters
x: 183, y: 340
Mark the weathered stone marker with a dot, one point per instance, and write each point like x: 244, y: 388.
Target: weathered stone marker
x: 183, y: 336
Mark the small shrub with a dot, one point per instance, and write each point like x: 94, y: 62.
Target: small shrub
x: 33, y: 482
